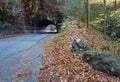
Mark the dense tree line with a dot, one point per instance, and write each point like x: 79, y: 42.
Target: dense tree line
x: 92, y: 12
x: 25, y: 9
x: 18, y: 14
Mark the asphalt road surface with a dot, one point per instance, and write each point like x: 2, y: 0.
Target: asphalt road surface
x: 19, y: 60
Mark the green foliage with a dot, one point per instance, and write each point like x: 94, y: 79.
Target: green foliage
x: 105, y: 48
x: 98, y: 22
x: 96, y: 10
x: 63, y: 27
x: 101, y: 1
x: 87, y: 56
x: 116, y: 33
x: 9, y: 9
x: 118, y: 48
x: 6, y: 28
x: 55, y: 39
x: 4, y: 12
x: 59, y: 16
x: 113, y: 26
x: 15, y: 6
x: 91, y: 36
x: 113, y: 19
x: 76, y: 8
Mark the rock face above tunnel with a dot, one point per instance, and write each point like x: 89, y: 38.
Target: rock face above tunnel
x: 79, y: 46
x: 44, y: 22
x: 106, y: 62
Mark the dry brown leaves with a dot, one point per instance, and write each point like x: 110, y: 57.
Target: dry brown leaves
x: 6, y: 35
x: 30, y: 73
x: 10, y: 35
x: 60, y: 65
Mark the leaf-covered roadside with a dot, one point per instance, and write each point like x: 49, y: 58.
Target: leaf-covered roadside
x: 60, y: 65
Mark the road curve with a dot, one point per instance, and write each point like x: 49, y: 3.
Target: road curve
x: 19, y: 55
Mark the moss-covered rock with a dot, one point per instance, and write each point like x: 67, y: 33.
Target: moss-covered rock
x: 79, y: 46
x: 105, y: 61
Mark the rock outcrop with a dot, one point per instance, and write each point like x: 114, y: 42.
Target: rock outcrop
x: 105, y: 61
x: 79, y: 46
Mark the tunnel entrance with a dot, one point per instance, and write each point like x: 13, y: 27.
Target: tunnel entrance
x: 49, y: 29
x: 48, y: 23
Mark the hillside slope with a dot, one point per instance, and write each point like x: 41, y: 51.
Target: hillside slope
x: 61, y: 65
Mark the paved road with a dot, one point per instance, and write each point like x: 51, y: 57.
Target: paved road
x: 19, y: 55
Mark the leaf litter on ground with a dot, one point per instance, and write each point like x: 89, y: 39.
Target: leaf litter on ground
x: 59, y: 64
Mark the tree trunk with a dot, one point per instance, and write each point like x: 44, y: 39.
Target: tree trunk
x: 88, y: 13
x: 105, y: 19
x: 115, y: 4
